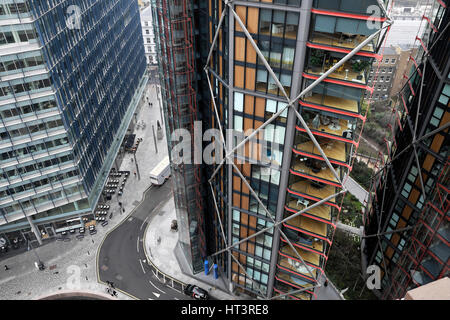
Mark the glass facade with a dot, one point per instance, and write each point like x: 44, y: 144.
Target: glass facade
x: 63, y: 93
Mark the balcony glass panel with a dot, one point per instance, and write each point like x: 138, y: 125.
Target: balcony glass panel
x: 333, y: 149
x: 307, y: 256
x: 308, y: 224
x: 315, y: 168
x: 303, y: 239
x: 336, y: 96
x: 296, y: 266
x: 343, y: 32
x: 354, y: 70
x: 322, y: 211
x: 330, y: 123
x: 350, y: 6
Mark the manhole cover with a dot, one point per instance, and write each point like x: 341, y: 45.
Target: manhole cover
x: 104, y: 268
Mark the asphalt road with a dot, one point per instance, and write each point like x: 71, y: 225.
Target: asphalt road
x: 122, y: 260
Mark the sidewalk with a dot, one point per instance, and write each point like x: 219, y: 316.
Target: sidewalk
x: 160, y: 246
x: 76, y: 260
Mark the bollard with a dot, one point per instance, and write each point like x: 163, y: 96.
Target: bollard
x: 216, y: 271
x: 206, y: 267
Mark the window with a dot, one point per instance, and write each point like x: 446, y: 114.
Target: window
x: 238, y: 123
x: 393, y: 61
x: 239, y: 101
x: 437, y: 116
x: 406, y: 190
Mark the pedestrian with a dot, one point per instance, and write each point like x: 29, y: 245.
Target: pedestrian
x: 326, y: 283
x: 6, y: 268
x: 114, y: 293
x: 135, y: 173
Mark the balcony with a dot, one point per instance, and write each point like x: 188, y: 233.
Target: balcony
x: 296, y: 267
x: 347, y: 106
x: 313, y: 189
x: 316, y: 170
x: 328, y: 124
x: 281, y: 288
x: 293, y: 281
x: 307, y: 226
x: 311, y: 259
x: 341, y: 40
x: 322, y: 212
x: 304, y: 242
x: 334, y: 150
x: 355, y: 70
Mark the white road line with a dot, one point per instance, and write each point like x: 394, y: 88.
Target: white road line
x: 141, y: 265
x: 155, y: 286
x: 7, y: 279
x: 137, y: 245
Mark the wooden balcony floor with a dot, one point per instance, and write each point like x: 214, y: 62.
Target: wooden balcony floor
x: 333, y: 149
x: 322, y: 211
x: 306, y: 188
x: 322, y: 174
x: 308, y: 224
x: 334, y: 102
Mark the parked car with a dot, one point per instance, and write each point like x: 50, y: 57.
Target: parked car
x: 196, y: 292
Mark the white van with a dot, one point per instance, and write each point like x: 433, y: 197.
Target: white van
x: 161, y: 172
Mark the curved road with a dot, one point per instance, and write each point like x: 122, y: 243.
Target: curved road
x: 121, y: 258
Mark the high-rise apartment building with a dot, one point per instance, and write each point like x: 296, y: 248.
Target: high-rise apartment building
x: 407, y: 224
x: 255, y: 58
x: 70, y: 80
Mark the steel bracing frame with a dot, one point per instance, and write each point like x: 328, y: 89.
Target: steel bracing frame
x: 380, y: 177
x: 291, y: 103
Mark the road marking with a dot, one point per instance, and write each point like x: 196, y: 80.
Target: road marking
x: 150, y: 299
x: 7, y: 279
x: 156, y: 294
x: 142, y: 266
x: 137, y: 245
x: 176, y: 299
x: 155, y: 286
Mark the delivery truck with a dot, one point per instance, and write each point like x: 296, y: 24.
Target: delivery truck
x: 161, y: 172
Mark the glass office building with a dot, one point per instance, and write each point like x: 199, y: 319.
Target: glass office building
x: 70, y: 80
x: 300, y: 40
x: 410, y: 195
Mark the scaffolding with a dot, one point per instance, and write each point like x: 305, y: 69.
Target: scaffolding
x: 385, y: 179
